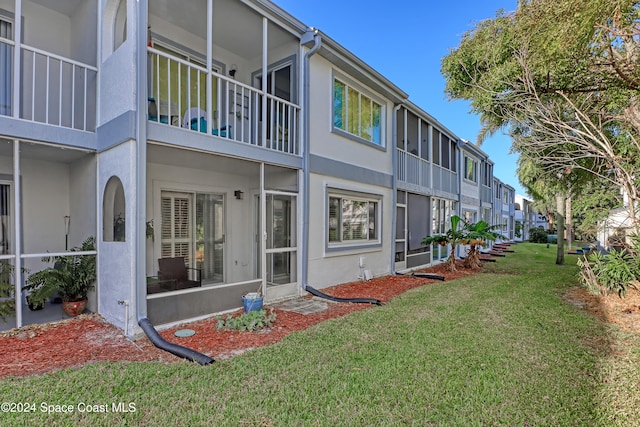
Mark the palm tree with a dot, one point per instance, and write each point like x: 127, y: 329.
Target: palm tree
x: 475, y: 235
x: 452, y: 237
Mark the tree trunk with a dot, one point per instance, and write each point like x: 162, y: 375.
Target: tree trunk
x: 452, y: 259
x: 560, y: 205
x: 569, y: 222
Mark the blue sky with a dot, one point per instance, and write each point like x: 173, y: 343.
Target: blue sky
x: 405, y: 41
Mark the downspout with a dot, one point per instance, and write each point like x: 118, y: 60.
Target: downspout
x: 141, y: 198
x: 312, y: 35
x: 394, y: 187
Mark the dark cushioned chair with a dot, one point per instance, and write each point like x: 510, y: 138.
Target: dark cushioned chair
x: 173, y: 274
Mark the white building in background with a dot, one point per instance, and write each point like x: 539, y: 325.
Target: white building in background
x: 617, y: 226
x: 525, y: 217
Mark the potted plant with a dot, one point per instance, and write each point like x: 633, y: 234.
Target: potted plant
x: 7, y: 288
x: 71, y: 277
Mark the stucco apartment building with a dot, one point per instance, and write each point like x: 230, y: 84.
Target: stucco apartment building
x: 223, y: 132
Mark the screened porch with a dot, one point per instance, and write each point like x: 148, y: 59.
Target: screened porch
x: 205, y: 216
x: 244, y: 90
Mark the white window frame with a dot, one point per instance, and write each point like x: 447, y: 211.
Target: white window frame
x: 470, y: 161
x: 470, y: 216
x: 349, y: 86
x: 342, y: 243
x: 6, y: 85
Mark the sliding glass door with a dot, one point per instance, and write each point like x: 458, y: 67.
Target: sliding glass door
x: 193, y: 227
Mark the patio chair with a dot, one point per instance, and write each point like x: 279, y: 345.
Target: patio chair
x: 175, y: 271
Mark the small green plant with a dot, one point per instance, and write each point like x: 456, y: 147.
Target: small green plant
x: 614, y: 272
x: 7, y: 289
x: 71, y: 277
x: 251, y: 321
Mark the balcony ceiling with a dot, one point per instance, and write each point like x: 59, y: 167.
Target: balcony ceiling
x: 236, y: 27
x: 66, y: 7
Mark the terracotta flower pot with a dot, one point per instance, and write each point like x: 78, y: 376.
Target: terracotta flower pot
x: 74, y: 308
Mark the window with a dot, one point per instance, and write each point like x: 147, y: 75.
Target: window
x: 487, y: 175
x: 353, y: 219
x: 5, y: 219
x: 120, y: 25
x: 505, y: 195
x: 356, y: 113
x: 470, y: 216
x: 470, y: 169
x: 114, y: 211
x: 6, y: 66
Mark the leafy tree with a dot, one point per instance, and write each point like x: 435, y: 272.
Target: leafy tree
x: 563, y: 77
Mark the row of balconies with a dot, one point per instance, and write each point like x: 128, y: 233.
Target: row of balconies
x: 58, y: 90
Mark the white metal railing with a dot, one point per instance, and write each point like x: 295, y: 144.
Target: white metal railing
x: 413, y: 169
x: 56, y: 90
x: 445, y: 180
x: 179, y: 96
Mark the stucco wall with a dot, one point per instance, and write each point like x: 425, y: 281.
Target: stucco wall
x: 331, y: 268
x: 336, y: 146
x: 116, y: 260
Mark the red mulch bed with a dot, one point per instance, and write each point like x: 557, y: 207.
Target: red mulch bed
x: 38, y: 349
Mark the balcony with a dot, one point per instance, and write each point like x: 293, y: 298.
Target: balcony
x: 413, y: 169
x: 230, y: 98
x: 181, y: 91
x: 49, y: 81
x: 417, y: 171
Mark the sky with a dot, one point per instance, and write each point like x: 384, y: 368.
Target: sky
x: 405, y: 41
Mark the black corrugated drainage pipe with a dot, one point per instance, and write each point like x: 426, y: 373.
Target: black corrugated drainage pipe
x: 317, y: 293
x: 425, y: 275
x: 176, y: 349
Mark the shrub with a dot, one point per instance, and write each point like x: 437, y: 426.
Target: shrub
x: 614, y: 272
x: 537, y: 235
x: 251, y: 321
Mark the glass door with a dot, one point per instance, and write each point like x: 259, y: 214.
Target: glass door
x: 401, y: 238
x: 281, y: 244
x: 193, y: 227
x: 210, y: 237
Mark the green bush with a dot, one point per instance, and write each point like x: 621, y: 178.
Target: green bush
x: 537, y: 235
x: 251, y: 321
x: 614, y: 272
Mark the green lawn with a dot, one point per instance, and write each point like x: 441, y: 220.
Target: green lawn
x: 500, y: 348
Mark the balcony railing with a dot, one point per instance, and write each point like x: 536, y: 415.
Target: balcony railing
x: 413, y: 169
x: 180, y: 93
x: 54, y: 90
x: 487, y: 194
x: 445, y: 180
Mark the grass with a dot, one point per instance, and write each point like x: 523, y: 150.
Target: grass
x: 499, y: 348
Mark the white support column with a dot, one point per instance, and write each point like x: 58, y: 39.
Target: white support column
x: 265, y: 47
x: 263, y: 231
x: 17, y: 47
x: 209, y: 66
x: 18, y: 225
